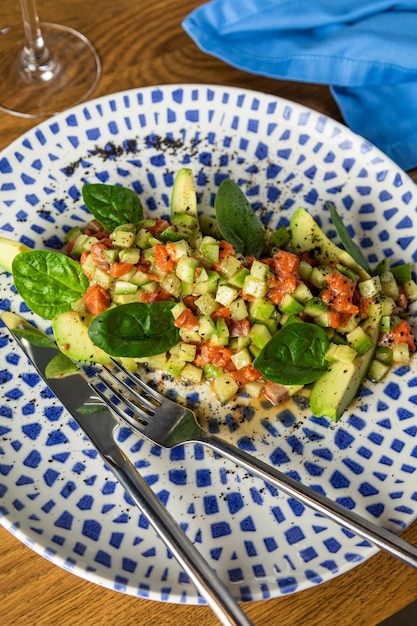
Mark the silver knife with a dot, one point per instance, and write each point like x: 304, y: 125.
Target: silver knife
x: 75, y: 393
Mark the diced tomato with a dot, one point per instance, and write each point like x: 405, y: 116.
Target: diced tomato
x: 189, y: 302
x: 186, y: 319
x: 163, y: 260
x: 217, y: 355
x: 97, y: 253
x: 221, y: 311
x: 240, y: 328
x: 285, y: 267
x: 95, y: 229
x: 154, y: 296
x: 96, y: 299
x: 339, y: 293
x: 120, y: 269
x: 246, y: 375
x: 226, y: 249
x: 402, y: 333
x: 173, y: 252
x: 159, y: 226
x: 144, y: 266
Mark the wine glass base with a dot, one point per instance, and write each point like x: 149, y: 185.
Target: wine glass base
x: 72, y: 76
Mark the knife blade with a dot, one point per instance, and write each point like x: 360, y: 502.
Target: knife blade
x: 79, y: 398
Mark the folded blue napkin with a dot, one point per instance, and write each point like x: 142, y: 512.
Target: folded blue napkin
x: 365, y: 50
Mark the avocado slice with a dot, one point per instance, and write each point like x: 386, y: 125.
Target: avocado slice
x: 9, y: 248
x: 71, y: 334
x: 335, y: 389
x: 184, y: 207
x: 306, y: 235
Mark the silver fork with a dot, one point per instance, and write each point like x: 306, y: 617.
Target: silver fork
x: 168, y: 424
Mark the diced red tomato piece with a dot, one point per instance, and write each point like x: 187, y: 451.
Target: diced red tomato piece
x: 339, y: 293
x: 218, y: 355
x: 159, y: 226
x: 163, y: 260
x: 221, y: 311
x: 96, y: 299
x: 186, y: 319
x: 154, y: 296
x: 189, y: 302
x: 246, y: 375
x: 120, y: 269
x: 402, y: 333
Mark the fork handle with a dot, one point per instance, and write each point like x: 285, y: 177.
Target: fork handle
x: 381, y: 537
x: 203, y: 576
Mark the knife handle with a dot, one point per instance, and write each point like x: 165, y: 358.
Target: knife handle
x: 203, y: 576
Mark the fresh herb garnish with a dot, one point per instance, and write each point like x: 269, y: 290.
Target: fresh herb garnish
x: 294, y: 355
x: 49, y: 282
x: 112, y: 205
x: 135, y: 330
x: 237, y: 221
x: 350, y: 246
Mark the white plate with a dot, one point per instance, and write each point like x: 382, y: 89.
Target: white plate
x: 56, y: 495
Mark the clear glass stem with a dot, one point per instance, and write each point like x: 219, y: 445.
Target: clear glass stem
x: 36, y: 58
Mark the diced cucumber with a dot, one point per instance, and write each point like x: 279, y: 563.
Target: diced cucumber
x: 172, y: 284
x: 225, y: 295
x: 130, y: 255
x: 400, y: 353
x: 185, y: 269
x: 103, y: 278
x: 261, y: 309
x: 259, y: 270
x: 384, y: 354
x: 290, y: 305
x: 315, y: 306
x: 142, y: 239
x: 359, y: 340
x: 302, y: 293
x: 229, y: 266
x: 123, y: 287
x: 304, y: 270
x: 221, y: 338
x: 242, y: 358
x: 206, y: 327
x: 189, y: 336
x: 402, y: 273
x: 410, y: 288
x: 255, y: 287
x: 260, y: 335
x: 377, y: 370
x: 212, y: 371
x: 206, y: 304
x: 238, y: 310
x: 389, y: 285
x: 318, y: 276
x: 209, y: 249
x: 350, y: 325
x: 238, y: 279
x: 191, y: 373
x: 340, y: 352
x: 123, y: 238
x: 187, y: 351
x: 177, y: 309
x: 254, y: 388
x: 225, y: 387
x: 370, y: 287
x: 175, y: 365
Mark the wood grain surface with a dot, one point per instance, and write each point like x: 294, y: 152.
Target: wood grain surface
x: 141, y: 42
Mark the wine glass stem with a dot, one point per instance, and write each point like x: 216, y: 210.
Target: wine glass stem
x: 36, y: 59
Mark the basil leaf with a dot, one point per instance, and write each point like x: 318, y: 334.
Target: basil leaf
x: 49, y: 282
x: 236, y: 221
x: 350, y: 246
x: 294, y: 355
x: 112, y: 205
x: 135, y: 330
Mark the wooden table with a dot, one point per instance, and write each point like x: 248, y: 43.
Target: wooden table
x: 142, y: 43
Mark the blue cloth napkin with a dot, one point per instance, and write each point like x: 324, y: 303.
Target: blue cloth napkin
x: 365, y: 50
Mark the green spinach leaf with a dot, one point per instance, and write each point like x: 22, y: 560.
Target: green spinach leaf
x: 135, y: 330
x: 350, y: 246
x: 112, y: 205
x: 237, y: 221
x: 49, y: 282
x: 294, y: 355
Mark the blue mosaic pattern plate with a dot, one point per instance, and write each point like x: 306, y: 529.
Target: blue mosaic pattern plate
x: 56, y: 495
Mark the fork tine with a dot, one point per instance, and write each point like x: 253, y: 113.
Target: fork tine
x: 140, y: 418
x: 137, y: 381
x: 122, y: 382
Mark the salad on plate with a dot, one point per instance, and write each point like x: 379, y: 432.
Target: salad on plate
x: 219, y: 300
